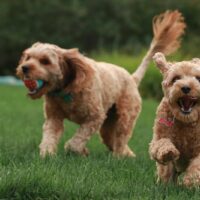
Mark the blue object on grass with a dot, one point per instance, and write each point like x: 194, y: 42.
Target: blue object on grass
x: 10, y: 80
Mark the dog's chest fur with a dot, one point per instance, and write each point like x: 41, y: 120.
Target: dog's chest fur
x: 185, y: 136
x: 74, y: 110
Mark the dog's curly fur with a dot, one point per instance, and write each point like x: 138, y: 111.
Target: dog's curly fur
x: 176, y: 147
x: 105, y: 96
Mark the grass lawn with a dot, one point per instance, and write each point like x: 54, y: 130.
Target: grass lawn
x: 23, y: 175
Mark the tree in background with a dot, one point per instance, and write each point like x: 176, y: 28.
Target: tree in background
x: 91, y: 25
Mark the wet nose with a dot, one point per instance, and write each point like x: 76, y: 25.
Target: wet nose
x: 185, y: 89
x: 25, y: 69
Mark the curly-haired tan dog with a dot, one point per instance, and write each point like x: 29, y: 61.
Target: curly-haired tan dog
x: 96, y: 95
x: 176, y: 142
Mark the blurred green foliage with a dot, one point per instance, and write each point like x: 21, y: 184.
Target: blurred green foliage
x: 91, y: 25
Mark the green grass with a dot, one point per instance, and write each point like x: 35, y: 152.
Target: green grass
x: 24, y: 175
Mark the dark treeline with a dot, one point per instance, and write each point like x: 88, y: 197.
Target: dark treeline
x: 91, y: 25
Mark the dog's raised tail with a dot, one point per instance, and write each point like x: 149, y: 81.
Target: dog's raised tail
x: 168, y: 28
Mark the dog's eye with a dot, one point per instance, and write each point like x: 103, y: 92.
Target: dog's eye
x: 198, y: 78
x: 28, y: 57
x: 175, y: 79
x: 45, y: 61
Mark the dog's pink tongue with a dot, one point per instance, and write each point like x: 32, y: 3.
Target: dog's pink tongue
x: 187, y: 103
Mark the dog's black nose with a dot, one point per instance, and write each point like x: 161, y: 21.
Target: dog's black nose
x: 25, y: 69
x: 185, y: 89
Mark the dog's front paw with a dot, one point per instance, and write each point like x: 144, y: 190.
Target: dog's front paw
x: 166, y: 155
x: 192, y: 180
x: 163, y: 151
x: 69, y: 146
x: 47, y: 149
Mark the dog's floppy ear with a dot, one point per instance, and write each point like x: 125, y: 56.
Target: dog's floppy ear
x: 161, y: 62
x: 78, y: 69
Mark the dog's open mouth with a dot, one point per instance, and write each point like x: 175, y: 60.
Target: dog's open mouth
x: 186, y: 103
x: 34, y: 86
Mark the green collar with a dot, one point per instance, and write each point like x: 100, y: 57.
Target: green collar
x: 67, y: 97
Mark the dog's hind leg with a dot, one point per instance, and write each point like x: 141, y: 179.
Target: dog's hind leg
x: 107, y: 130
x: 117, y: 128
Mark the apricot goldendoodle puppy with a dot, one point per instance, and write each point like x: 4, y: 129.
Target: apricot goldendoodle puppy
x: 96, y: 95
x: 176, y: 141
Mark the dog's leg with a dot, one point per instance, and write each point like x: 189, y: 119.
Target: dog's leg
x: 114, y: 140
x: 107, y: 130
x: 163, y: 151
x: 166, y: 173
x: 78, y: 141
x: 52, y: 131
x: 192, y: 176
x: 117, y: 130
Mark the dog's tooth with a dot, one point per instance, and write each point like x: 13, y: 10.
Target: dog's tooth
x: 186, y: 111
x: 32, y: 92
x: 182, y: 109
x: 181, y: 103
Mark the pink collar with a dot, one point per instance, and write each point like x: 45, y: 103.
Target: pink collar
x: 167, y: 122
